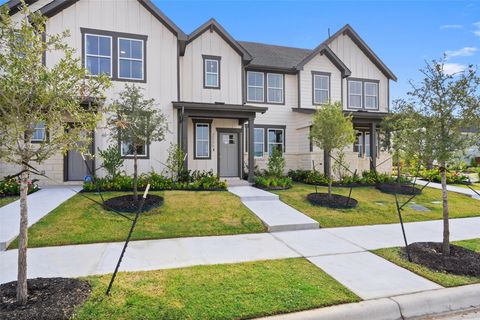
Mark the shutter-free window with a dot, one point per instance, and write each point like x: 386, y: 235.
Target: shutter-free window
x: 39, y: 132
x: 130, y: 59
x: 258, y: 140
x: 98, y: 54
x: 355, y: 94
x: 274, y: 88
x: 371, y: 95
x: 202, y: 140
x: 321, y: 88
x: 275, y: 140
x: 255, y: 86
x: 212, y: 73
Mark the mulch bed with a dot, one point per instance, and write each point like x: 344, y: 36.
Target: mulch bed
x: 127, y: 203
x: 392, y: 188
x: 335, y: 201
x: 48, y: 299
x: 272, y: 188
x: 460, y: 262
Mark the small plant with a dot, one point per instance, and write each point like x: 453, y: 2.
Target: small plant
x: 276, y: 164
x: 175, y: 161
x: 112, y: 160
x: 339, y: 166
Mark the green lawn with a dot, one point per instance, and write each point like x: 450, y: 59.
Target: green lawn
x: 442, y: 278
x: 6, y: 200
x: 375, y: 207
x: 235, y: 291
x: 184, y: 213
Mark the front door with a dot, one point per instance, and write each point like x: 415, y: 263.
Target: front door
x: 228, y: 154
x: 75, y: 167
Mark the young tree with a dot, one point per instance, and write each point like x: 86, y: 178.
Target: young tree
x: 136, y: 122
x: 33, y: 95
x: 331, y: 130
x: 444, y: 104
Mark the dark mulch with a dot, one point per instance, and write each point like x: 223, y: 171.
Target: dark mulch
x: 272, y: 188
x: 392, y: 188
x: 128, y: 204
x: 48, y: 299
x: 335, y: 201
x: 460, y: 262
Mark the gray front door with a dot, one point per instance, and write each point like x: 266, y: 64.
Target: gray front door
x: 228, y: 154
x: 75, y: 167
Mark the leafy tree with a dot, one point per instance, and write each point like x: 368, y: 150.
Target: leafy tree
x: 276, y: 163
x: 331, y: 130
x: 32, y: 94
x: 112, y: 160
x: 441, y: 105
x: 136, y: 122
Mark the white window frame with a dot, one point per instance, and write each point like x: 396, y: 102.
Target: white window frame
x: 369, y: 95
x: 252, y: 86
x: 276, y: 143
x: 356, y: 94
x: 85, y: 54
x: 145, y: 154
x: 197, y: 140
x: 256, y: 142
x: 217, y: 74
x: 131, y: 59
x: 275, y: 88
x: 44, y: 129
x: 315, y: 76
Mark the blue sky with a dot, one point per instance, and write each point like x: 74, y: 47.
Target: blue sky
x: 403, y: 33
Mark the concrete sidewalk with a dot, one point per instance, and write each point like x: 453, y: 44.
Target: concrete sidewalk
x: 465, y: 191
x: 40, y: 203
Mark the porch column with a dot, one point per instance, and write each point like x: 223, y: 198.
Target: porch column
x: 373, y: 146
x: 251, y: 161
x: 184, y: 138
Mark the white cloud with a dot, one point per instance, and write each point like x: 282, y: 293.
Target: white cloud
x: 476, y: 28
x: 463, y: 52
x: 451, y: 26
x: 452, y: 68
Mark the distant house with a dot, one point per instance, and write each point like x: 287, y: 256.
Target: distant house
x: 229, y: 103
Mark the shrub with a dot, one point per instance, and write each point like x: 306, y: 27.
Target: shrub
x: 11, y: 187
x: 367, y: 178
x: 276, y: 164
x: 271, y: 182
x: 112, y: 160
x: 452, y: 177
x: 175, y: 162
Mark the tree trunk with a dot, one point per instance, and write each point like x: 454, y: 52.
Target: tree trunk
x: 329, y: 175
x: 135, y: 175
x: 446, y: 227
x: 23, y: 239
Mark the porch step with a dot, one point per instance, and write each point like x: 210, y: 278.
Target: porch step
x: 248, y: 193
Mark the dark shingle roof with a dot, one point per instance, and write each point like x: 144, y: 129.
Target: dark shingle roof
x: 268, y: 55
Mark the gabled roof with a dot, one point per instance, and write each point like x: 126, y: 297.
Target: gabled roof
x: 56, y: 6
x: 324, y: 49
x: 212, y: 25
x: 348, y: 30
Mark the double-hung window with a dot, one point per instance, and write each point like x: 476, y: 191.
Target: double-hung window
x: 275, y: 140
x: 130, y: 59
x: 371, y: 95
x: 127, y: 149
x: 211, y: 78
x: 202, y: 140
x: 258, y: 141
x: 274, y: 88
x: 98, y: 54
x: 321, y: 88
x: 39, y: 132
x: 255, y: 88
x: 355, y: 94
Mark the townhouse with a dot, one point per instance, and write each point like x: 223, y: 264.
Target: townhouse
x: 229, y: 103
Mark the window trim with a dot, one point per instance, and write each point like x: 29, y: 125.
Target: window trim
x: 363, y: 81
x: 115, y: 51
x: 195, y: 123
x: 263, y: 143
x: 348, y: 94
x: 282, y: 143
x: 265, y: 87
x: 46, y: 137
x: 218, y: 59
x: 265, y: 135
x: 85, y: 54
x: 376, y: 96
x: 329, y: 90
x: 275, y: 88
x: 130, y: 59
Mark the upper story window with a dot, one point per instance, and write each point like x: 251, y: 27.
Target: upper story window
x: 363, y: 94
x: 211, y: 68
x: 274, y: 88
x: 98, y: 54
x: 121, y: 56
x: 321, y: 87
x: 255, y: 86
x: 265, y: 87
x: 39, y: 132
x: 130, y: 59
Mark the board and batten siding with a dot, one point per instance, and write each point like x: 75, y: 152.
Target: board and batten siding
x: 320, y: 63
x: 191, y: 70
x: 361, y: 67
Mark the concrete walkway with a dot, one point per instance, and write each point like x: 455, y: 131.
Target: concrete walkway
x: 465, y: 191
x: 341, y: 252
x: 275, y: 214
x: 39, y: 204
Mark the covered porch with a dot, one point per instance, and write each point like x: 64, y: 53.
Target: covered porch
x: 211, y: 135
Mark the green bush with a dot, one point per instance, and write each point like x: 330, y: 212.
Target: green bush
x: 452, y: 177
x: 191, y: 180
x: 367, y: 178
x: 112, y: 160
x: 276, y: 164
x: 11, y: 187
x: 271, y: 182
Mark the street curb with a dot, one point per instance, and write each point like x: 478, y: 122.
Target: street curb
x: 378, y: 309
x: 409, y: 306
x: 438, y: 301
